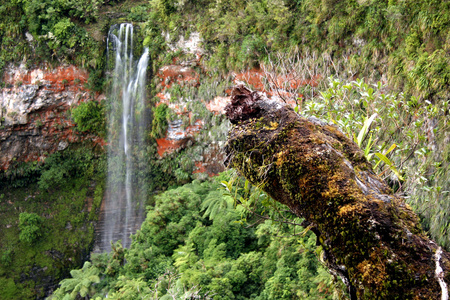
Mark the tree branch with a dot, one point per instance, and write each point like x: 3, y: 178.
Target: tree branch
x: 371, y: 238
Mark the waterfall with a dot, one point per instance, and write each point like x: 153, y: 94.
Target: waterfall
x: 122, y: 210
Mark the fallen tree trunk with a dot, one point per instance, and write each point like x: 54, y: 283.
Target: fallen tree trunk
x: 370, y: 237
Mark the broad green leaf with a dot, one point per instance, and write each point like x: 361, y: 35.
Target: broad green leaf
x: 365, y: 129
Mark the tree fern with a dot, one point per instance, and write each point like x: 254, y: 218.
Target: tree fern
x: 81, y: 283
x: 215, y: 203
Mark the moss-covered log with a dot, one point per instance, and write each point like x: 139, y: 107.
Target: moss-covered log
x: 370, y: 237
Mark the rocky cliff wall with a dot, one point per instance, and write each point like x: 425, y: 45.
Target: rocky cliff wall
x: 34, y: 116
x: 35, y: 122
x: 197, y: 99
x: 196, y: 102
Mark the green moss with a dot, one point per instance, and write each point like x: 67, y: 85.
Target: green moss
x: 90, y: 116
x: 304, y: 173
x: 35, y: 254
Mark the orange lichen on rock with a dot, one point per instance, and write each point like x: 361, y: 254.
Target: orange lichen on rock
x: 166, y: 146
x: 34, y: 112
x: 176, y: 73
x: 57, y: 79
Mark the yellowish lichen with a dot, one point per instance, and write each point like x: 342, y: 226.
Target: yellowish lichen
x: 313, y: 169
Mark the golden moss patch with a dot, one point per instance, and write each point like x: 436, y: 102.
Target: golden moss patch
x: 315, y: 170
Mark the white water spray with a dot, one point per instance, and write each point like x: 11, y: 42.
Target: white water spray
x: 123, y: 210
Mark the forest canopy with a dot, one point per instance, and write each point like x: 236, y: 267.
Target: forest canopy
x: 183, y: 251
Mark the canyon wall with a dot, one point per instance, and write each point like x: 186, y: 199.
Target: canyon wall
x: 196, y: 100
x: 35, y: 120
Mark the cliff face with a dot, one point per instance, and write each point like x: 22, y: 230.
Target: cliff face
x: 34, y: 116
x: 187, y: 126
x: 35, y: 121
x: 197, y: 101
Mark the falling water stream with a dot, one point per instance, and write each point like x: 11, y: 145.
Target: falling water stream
x: 122, y: 210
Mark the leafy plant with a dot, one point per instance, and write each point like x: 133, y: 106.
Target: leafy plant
x: 368, y: 149
x: 159, y: 122
x: 402, y: 136
x: 6, y: 257
x: 60, y: 166
x: 90, y: 116
x: 180, y: 253
x: 39, y: 123
x: 81, y: 283
x: 30, y: 225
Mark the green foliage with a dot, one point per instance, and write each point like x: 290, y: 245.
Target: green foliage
x: 96, y: 80
x: 367, y: 39
x: 138, y: 13
x: 90, y: 116
x: 370, y: 39
x: 180, y: 254
x: 55, y: 170
x: 30, y: 225
x: 53, y: 30
x: 12, y: 43
x: 20, y: 174
x: 62, y: 30
x: 43, y: 15
x: 52, y: 234
x: 60, y: 166
x: 404, y: 138
x: 159, y: 121
x: 216, y: 203
x: 12, y: 290
x: 81, y: 283
x: 6, y: 257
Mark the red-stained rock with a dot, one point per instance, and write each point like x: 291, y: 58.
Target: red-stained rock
x: 176, y: 73
x: 168, y: 146
x: 177, y: 137
x: 212, y: 163
x: 180, y: 136
x: 34, y: 112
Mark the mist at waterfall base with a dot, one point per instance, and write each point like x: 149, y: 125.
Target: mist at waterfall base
x: 123, y: 208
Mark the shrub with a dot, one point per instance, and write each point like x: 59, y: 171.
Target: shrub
x: 30, y: 225
x: 159, y: 122
x: 90, y: 116
x: 6, y: 257
x: 60, y: 166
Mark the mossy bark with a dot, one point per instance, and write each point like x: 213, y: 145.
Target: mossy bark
x: 371, y: 238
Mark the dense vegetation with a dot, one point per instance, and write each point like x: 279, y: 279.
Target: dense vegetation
x: 48, y: 217
x: 90, y: 116
x: 405, y: 139
x: 194, y: 243
x: 407, y: 41
x: 38, y: 31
